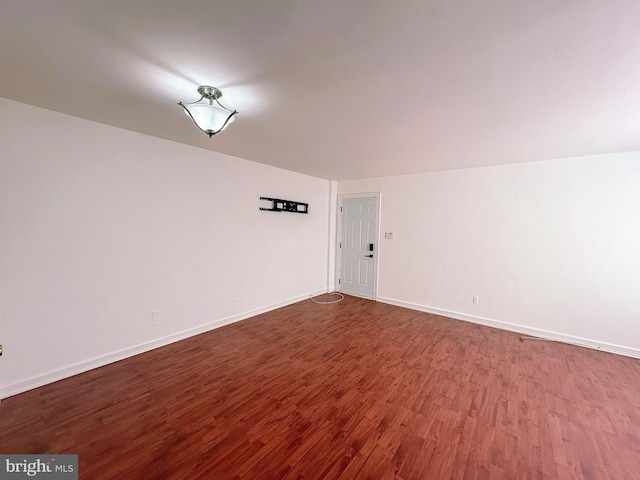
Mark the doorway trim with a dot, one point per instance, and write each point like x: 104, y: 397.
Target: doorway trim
x: 378, y: 197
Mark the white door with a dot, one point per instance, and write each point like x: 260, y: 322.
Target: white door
x: 358, y: 246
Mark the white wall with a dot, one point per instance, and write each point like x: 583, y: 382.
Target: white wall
x: 551, y: 248
x: 332, y: 236
x: 100, y: 226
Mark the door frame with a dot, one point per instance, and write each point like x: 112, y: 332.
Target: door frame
x: 376, y: 256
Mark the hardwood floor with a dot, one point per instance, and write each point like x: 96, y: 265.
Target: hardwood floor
x: 354, y: 390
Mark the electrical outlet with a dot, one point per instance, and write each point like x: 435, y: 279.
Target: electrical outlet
x: 235, y: 297
x: 155, y: 316
x: 475, y: 300
x: 388, y: 235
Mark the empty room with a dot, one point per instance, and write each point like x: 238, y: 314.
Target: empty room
x: 319, y: 240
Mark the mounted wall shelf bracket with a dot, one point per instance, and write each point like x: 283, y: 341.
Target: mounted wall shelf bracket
x: 279, y: 205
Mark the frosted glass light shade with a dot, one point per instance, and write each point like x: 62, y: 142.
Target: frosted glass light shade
x: 207, y: 113
x: 209, y: 118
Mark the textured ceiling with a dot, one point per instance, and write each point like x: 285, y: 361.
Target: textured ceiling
x: 342, y: 89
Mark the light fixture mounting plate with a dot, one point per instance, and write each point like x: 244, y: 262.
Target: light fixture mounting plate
x: 210, y: 93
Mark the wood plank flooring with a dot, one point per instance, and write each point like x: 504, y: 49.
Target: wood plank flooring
x: 354, y: 390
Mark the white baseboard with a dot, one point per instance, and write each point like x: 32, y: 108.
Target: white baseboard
x: 512, y: 327
x: 95, y: 362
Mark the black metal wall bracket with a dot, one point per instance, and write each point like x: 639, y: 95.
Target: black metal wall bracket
x: 279, y: 205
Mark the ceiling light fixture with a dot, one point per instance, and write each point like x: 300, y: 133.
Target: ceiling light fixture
x: 207, y: 113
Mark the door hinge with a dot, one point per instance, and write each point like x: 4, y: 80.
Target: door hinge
x: 340, y: 244
x: 339, y: 282
x: 340, y: 208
